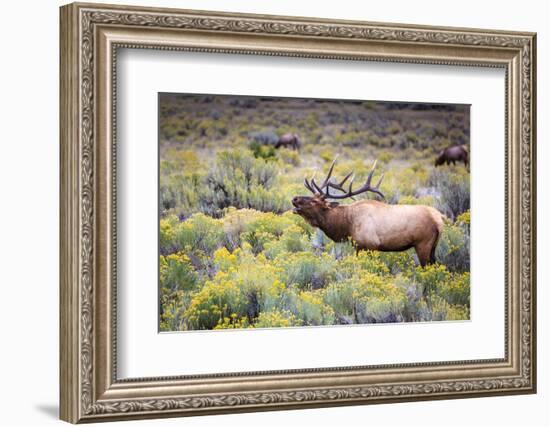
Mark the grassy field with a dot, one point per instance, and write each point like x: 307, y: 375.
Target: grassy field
x: 232, y: 253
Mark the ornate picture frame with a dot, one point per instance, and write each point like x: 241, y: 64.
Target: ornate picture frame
x: 90, y: 37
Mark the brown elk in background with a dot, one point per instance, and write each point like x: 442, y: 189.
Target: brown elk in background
x: 452, y: 154
x: 289, y: 140
x: 370, y: 224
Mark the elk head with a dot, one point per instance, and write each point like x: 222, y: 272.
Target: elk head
x: 314, y: 208
x: 440, y: 159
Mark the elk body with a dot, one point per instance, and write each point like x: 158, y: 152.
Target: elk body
x: 453, y: 154
x: 288, y: 140
x: 370, y: 224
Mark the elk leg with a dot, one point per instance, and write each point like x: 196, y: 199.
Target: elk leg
x: 432, y: 253
x: 426, y: 250
x: 423, y: 251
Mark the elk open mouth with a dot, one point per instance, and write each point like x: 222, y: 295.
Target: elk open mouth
x: 296, y: 209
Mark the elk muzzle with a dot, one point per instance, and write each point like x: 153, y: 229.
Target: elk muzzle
x: 299, y: 202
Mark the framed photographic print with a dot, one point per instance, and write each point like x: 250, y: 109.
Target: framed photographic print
x: 265, y: 212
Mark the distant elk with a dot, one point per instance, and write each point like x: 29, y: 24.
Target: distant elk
x: 453, y: 154
x: 289, y: 140
x: 370, y: 224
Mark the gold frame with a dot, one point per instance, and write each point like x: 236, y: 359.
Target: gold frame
x: 90, y: 36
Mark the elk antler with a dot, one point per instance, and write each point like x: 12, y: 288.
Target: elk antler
x: 312, y: 186
x: 327, y: 184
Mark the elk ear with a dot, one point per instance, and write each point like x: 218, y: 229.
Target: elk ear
x: 333, y: 204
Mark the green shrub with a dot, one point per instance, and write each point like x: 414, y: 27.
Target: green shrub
x: 305, y: 269
x: 456, y: 290
x: 319, y: 240
x: 241, y: 181
x: 458, y: 312
x: 265, y: 137
x: 199, y: 232
x: 340, y: 250
x: 385, y: 157
x: 327, y: 155
x: 456, y: 136
x: 236, y: 222
x: 453, y: 248
x: 289, y: 157
x: 178, y: 194
x: 367, y: 298
x: 172, y: 313
x: 454, y: 189
x: 257, y: 240
x: 292, y: 240
x: 311, y: 309
x: 262, y: 151
x: 435, y: 294
x: 176, y: 273
x: 430, y: 277
x: 439, y: 310
x: 398, y: 262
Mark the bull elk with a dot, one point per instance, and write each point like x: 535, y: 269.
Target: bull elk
x: 371, y: 224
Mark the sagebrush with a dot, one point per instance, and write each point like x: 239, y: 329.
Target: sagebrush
x: 232, y: 253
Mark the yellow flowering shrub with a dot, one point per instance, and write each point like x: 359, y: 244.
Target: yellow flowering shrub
x: 218, y: 299
x: 453, y: 248
x: 225, y: 260
x: 312, y: 310
x: 276, y: 319
x: 167, y: 232
x: 457, y: 312
x: 430, y: 277
x: 270, y: 223
x: 363, y: 262
x: 171, y: 316
x: 456, y: 290
x: 276, y: 272
x: 398, y: 262
x: 234, y: 255
x: 464, y: 218
x: 176, y: 272
x: 232, y: 322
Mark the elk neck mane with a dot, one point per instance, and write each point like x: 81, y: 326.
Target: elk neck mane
x: 337, y: 222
